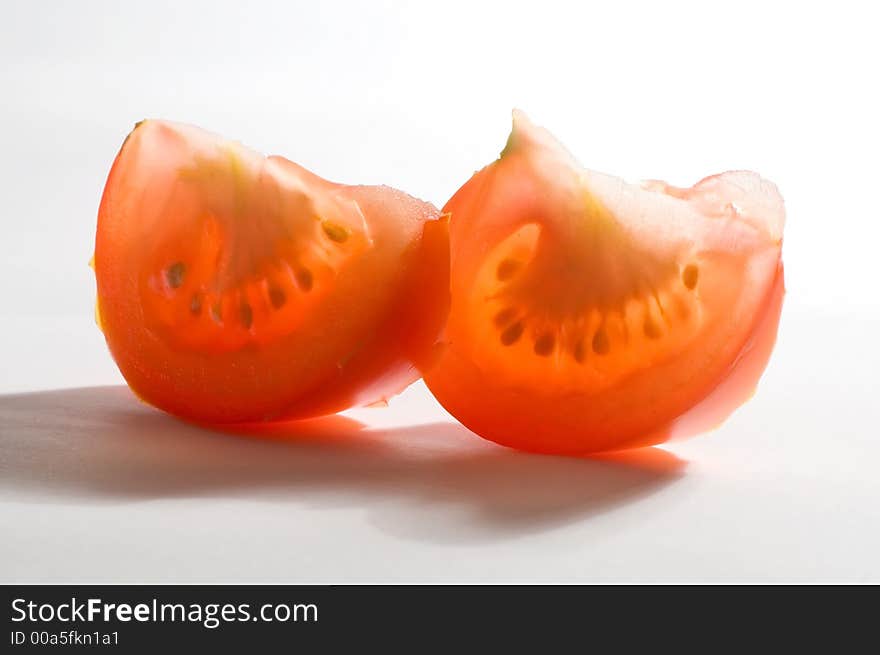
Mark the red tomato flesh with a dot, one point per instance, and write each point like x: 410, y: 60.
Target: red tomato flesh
x: 235, y: 287
x: 589, y: 314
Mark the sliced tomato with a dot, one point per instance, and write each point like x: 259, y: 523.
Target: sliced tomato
x: 235, y: 287
x: 589, y: 314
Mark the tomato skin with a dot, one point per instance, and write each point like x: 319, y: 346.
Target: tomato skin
x: 733, y: 227
x: 363, y: 338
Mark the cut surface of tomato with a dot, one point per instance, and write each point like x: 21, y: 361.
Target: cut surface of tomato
x: 237, y: 287
x: 590, y: 314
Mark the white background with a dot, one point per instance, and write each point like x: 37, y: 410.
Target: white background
x: 96, y: 487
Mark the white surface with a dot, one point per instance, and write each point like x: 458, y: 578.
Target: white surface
x: 96, y: 487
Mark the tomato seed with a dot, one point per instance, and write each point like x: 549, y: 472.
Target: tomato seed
x: 601, y: 345
x: 195, y: 304
x: 579, y: 352
x: 304, y: 279
x: 512, y: 334
x: 277, y: 297
x: 174, y: 274
x: 651, y: 329
x: 335, y: 232
x: 544, y: 345
x: 689, y: 276
x: 246, y: 314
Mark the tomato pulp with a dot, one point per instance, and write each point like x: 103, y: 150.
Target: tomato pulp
x: 588, y: 314
x: 236, y: 287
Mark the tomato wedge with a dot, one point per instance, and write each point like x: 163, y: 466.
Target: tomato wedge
x: 235, y: 287
x: 589, y: 314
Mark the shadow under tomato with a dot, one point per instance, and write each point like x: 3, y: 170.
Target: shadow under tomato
x: 433, y: 482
